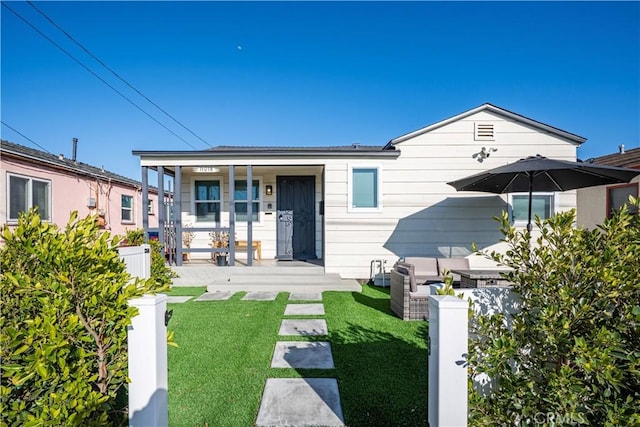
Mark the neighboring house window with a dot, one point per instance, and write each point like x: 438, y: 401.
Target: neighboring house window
x: 127, y: 208
x: 207, y: 201
x: 619, y: 195
x: 26, y: 193
x: 150, y: 207
x: 542, y: 205
x: 365, y: 188
x: 240, y: 193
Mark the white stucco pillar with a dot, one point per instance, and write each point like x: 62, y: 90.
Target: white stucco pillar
x: 448, y: 334
x: 147, y: 339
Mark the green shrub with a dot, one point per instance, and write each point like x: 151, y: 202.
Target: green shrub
x: 572, y: 354
x: 63, y: 322
x: 160, y: 272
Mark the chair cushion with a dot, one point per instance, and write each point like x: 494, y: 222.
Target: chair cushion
x: 423, y: 266
x: 409, y: 268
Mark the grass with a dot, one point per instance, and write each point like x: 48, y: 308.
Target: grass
x: 217, y: 375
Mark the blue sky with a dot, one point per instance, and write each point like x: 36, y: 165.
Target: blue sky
x: 313, y: 73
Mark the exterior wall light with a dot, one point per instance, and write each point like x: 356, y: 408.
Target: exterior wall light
x: 268, y: 190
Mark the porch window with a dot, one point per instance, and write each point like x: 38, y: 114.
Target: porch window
x: 127, y: 208
x: 207, y: 201
x: 26, y: 193
x: 240, y: 193
x: 365, y: 188
x: 619, y: 195
x: 542, y: 205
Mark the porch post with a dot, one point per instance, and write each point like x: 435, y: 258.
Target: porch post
x: 145, y: 202
x: 249, y: 215
x: 177, y: 214
x: 232, y: 216
x: 161, y: 208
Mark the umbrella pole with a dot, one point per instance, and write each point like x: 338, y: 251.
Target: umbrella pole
x: 529, y: 226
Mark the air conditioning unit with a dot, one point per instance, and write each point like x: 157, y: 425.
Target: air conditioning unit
x: 91, y: 202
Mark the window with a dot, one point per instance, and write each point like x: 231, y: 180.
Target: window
x: 150, y: 207
x: 542, y: 205
x: 127, y: 208
x: 207, y: 201
x: 365, y: 188
x: 26, y: 193
x: 619, y: 195
x: 240, y: 193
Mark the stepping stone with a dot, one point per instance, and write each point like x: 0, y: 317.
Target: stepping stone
x: 303, y: 327
x: 215, y: 296
x: 260, y: 296
x: 302, y: 355
x: 300, y: 402
x: 177, y: 300
x: 305, y: 296
x: 303, y: 309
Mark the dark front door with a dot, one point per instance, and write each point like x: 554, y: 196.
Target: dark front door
x: 296, y: 229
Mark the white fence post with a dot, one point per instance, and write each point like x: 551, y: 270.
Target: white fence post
x: 448, y: 334
x: 148, y: 363
x: 147, y: 347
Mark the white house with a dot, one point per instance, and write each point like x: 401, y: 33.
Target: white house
x: 349, y: 205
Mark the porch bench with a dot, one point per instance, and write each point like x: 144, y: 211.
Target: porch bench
x: 256, y: 245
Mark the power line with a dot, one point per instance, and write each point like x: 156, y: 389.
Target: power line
x: 96, y: 75
x: 115, y: 73
x: 26, y: 137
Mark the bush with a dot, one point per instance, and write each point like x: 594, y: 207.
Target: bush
x: 64, y: 317
x: 572, y: 355
x: 160, y: 272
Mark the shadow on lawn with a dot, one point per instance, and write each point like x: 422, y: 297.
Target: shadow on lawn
x: 380, y: 302
x: 382, y: 376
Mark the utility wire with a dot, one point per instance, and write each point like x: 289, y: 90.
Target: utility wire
x: 115, y: 73
x: 96, y: 75
x: 26, y: 137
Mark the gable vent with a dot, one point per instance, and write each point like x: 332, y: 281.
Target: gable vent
x: 484, y: 132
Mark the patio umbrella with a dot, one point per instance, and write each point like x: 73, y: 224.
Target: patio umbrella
x: 538, y: 173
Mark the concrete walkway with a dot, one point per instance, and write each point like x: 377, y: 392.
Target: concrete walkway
x: 301, y: 402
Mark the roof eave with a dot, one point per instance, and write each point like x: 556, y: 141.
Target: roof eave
x: 267, y: 154
x: 573, y: 138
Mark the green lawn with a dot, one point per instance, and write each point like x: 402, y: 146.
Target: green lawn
x: 218, y: 373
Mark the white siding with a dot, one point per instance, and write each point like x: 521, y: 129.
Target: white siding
x: 422, y: 215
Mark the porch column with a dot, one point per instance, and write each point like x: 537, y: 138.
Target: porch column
x: 161, y: 208
x: 249, y: 215
x: 232, y: 215
x: 177, y: 212
x: 145, y: 202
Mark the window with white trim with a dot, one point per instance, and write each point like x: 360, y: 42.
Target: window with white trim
x: 365, y: 188
x: 240, y: 193
x: 207, y: 201
x: 542, y: 205
x: 126, y: 208
x: 25, y: 193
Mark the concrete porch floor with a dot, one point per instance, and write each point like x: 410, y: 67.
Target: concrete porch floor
x: 265, y: 275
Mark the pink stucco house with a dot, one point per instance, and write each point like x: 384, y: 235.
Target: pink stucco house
x: 58, y: 186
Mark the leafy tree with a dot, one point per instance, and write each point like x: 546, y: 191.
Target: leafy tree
x: 572, y: 354
x: 63, y: 320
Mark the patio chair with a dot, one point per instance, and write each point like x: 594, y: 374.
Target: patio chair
x: 409, y: 287
x: 448, y: 264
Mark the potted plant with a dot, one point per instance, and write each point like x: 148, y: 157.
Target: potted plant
x: 220, y: 239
